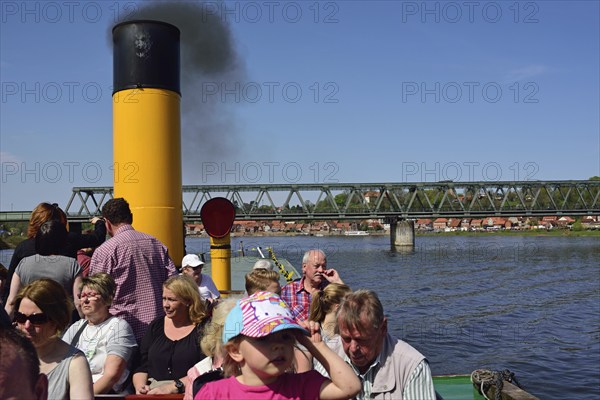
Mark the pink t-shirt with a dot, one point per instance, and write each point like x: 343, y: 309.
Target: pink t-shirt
x: 306, y: 385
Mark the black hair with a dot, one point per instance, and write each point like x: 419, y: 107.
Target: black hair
x: 117, y: 211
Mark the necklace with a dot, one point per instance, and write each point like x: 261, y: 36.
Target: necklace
x: 89, y: 344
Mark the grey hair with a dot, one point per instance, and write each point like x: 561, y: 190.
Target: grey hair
x: 263, y: 263
x: 356, y: 305
x: 306, y: 257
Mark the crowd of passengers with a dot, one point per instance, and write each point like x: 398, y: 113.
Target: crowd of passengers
x: 129, y: 323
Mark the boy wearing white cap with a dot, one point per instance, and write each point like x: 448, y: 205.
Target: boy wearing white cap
x: 259, y: 336
x: 191, y: 265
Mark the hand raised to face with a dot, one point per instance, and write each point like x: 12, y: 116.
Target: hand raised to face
x: 332, y: 276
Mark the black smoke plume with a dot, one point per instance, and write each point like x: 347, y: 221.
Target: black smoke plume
x: 208, y: 55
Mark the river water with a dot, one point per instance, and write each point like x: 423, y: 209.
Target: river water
x: 529, y: 304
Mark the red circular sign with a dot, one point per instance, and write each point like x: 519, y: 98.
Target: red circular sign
x: 217, y: 216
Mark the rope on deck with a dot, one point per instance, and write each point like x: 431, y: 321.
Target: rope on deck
x: 288, y: 275
x: 485, y: 378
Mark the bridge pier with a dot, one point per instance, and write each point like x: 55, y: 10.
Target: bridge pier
x: 402, y: 235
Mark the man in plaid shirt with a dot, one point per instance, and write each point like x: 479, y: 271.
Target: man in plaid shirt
x: 138, y: 262
x: 315, y: 276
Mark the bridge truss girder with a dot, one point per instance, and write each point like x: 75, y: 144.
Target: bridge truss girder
x: 375, y: 200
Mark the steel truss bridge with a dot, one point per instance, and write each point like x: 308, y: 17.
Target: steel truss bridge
x: 346, y: 201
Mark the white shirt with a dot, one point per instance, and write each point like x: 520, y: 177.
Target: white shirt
x: 208, y: 289
x: 112, y: 337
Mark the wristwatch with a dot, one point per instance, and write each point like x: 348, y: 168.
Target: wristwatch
x: 180, y: 386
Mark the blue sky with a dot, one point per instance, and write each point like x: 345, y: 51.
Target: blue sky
x: 323, y: 92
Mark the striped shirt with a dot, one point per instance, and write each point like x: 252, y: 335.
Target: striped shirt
x: 420, y: 383
x: 417, y: 387
x: 140, y: 264
x: 366, y: 379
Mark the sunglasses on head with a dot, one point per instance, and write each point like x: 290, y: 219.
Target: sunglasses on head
x: 35, y: 319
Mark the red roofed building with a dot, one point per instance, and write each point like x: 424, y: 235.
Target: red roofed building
x: 424, y: 224
x: 440, y: 224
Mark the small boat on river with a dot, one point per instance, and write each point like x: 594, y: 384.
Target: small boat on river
x: 356, y: 233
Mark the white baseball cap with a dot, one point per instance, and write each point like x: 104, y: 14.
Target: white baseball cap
x: 191, y: 260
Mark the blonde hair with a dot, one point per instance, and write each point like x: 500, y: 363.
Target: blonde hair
x: 230, y: 366
x: 325, y: 299
x: 212, y: 341
x: 260, y: 279
x: 186, y: 289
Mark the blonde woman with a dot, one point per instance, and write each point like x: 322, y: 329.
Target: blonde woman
x: 323, y: 308
x: 170, y: 346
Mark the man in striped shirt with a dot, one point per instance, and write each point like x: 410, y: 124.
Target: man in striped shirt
x: 138, y: 262
x: 388, y: 368
x: 315, y: 276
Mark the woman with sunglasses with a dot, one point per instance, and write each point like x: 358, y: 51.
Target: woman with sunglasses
x: 43, y: 311
x: 107, y: 341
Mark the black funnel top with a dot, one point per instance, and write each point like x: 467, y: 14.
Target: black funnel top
x: 145, y: 55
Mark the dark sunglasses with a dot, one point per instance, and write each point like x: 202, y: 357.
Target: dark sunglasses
x: 35, y: 319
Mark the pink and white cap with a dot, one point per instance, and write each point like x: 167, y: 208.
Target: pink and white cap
x: 259, y: 315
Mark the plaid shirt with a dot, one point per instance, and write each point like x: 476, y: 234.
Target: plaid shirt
x: 140, y: 264
x: 297, y: 298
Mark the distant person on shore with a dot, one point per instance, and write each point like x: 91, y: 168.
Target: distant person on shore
x: 388, y: 368
x: 50, y: 242
x: 192, y: 265
x: 315, y: 276
x: 19, y: 359
x: 140, y: 264
x: 44, y: 212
